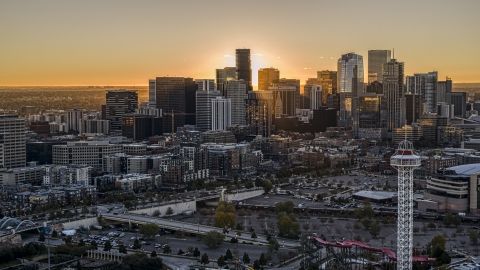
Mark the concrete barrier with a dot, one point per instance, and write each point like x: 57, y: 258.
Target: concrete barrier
x: 86, y: 222
x: 243, y: 195
x: 178, y: 208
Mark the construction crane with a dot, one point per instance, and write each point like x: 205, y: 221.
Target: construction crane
x: 173, y: 118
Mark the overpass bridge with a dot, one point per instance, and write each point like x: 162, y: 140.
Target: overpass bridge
x: 190, y: 227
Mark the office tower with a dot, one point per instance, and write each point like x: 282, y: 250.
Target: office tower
x: 443, y: 87
x: 236, y: 91
x: 204, y: 109
x: 173, y: 95
x: 368, y: 116
x: 315, y: 96
x: 324, y: 117
x: 375, y: 87
x: 459, y: 100
x: 259, y: 109
x: 205, y: 84
x: 140, y: 127
x: 376, y: 59
x: 12, y: 142
x: 96, y: 126
x: 266, y: 76
x: 223, y: 76
x: 244, y: 66
x: 221, y: 113
x: 328, y: 80
x: 289, y: 84
x: 425, y: 85
x: 118, y: 103
x: 74, y: 120
x: 350, y: 84
x: 283, y: 99
x: 394, y: 93
x: 413, y: 108
x: 152, y: 95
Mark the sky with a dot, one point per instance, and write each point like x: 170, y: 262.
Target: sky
x: 116, y: 42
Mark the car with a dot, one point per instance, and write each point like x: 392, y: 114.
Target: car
x: 121, y: 235
x: 266, y: 197
x: 9, y: 228
x: 147, y: 243
x: 133, y: 238
x: 157, y: 246
x: 115, y: 213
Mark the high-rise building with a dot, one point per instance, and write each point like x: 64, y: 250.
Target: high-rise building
x: 259, y: 109
x: 12, y: 142
x: 118, y: 103
x: 459, y: 100
x: 140, y: 127
x: 350, y: 84
x: 328, y: 80
x: 375, y: 87
x: 284, y: 99
x: 413, y: 108
x: 266, y: 76
x: 289, y: 84
x: 244, y: 66
x: 223, y: 76
x: 443, y: 87
x: 376, y: 59
x: 177, y: 95
x: 393, y: 89
x: 236, y: 91
x: 314, y: 96
x: 221, y: 113
x: 204, y: 109
x: 367, y: 117
x: 205, y: 84
x: 74, y: 120
x: 426, y: 85
x: 152, y: 96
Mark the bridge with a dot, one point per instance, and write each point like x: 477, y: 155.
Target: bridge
x: 18, y: 225
x: 190, y: 227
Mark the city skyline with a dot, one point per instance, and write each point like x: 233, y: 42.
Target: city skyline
x: 122, y: 43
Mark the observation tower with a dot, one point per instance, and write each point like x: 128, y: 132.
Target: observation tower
x: 405, y: 161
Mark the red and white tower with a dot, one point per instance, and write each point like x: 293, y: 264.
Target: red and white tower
x: 405, y: 161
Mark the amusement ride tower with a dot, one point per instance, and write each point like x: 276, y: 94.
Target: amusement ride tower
x: 405, y: 161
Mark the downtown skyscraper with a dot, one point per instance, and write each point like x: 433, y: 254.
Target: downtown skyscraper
x: 376, y: 59
x: 393, y: 89
x: 244, y: 66
x: 118, y: 103
x: 424, y: 84
x: 350, y: 84
x: 266, y: 76
x: 12, y: 142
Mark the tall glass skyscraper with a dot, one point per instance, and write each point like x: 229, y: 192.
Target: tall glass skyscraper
x: 426, y: 85
x: 244, y: 66
x: 349, y: 83
x: 376, y: 59
x: 393, y: 89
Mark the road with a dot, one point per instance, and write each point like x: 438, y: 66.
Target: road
x: 195, y: 227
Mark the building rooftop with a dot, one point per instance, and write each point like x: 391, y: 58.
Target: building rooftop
x: 376, y: 195
x: 466, y: 169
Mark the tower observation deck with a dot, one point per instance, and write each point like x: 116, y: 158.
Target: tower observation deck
x: 405, y: 161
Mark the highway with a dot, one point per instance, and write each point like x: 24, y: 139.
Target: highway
x: 192, y: 227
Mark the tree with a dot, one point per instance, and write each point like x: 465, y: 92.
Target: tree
x: 262, y: 260
x: 149, y: 230
x: 169, y: 211
x: 136, y: 244
x: 81, y: 243
x: 41, y: 238
x: 375, y: 229
x: 448, y: 220
x: 225, y: 215
x: 288, y: 228
x: 196, y: 252
x: 473, y: 235
x: 365, y: 212
x: 93, y: 245
x: 286, y: 207
x: 256, y: 265
x: 267, y: 186
x: 204, y: 259
x: 273, y: 244
x: 153, y: 254
x: 107, y: 246
x: 180, y: 252
x: 246, y: 259
x: 221, y: 261
x: 228, y: 255
x: 213, y: 239
x: 457, y: 220
x: 432, y: 225
x: 110, y: 198
x: 254, y: 235
x: 156, y: 213
x: 438, y: 241
x: 122, y: 249
x: 68, y: 240
x: 167, y: 250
